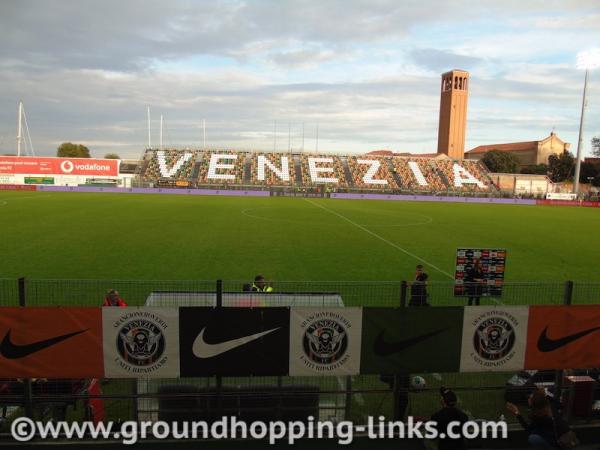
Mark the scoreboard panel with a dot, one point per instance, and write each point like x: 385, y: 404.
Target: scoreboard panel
x: 493, y: 263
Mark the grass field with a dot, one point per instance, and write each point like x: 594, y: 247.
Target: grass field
x: 149, y: 237
x: 169, y: 237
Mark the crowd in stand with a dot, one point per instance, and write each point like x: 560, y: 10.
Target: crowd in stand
x: 237, y: 171
x: 359, y: 171
x: 270, y: 177
x: 309, y: 175
x: 177, y: 164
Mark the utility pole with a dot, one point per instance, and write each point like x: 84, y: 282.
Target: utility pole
x: 149, y: 134
x: 20, y: 129
x: 580, y: 142
x: 161, y: 133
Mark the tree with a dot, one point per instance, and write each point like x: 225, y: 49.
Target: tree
x: 70, y: 150
x: 560, y: 167
x: 111, y: 156
x: 596, y: 146
x: 536, y: 169
x: 501, y: 162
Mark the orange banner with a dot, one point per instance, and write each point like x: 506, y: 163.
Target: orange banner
x: 562, y: 337
x: 51, y: 342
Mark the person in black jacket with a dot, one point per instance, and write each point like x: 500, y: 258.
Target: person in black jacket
x: 418, y: 288
x: 449, y: 413
x: 474, y: 282
x: 542, y: 427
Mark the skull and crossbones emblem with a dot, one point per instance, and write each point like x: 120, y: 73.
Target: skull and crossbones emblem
x: 324, y: 343
x: 494, y: 339
x: 140, y: 343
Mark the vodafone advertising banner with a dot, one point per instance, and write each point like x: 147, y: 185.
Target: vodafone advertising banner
x: 25, y: 165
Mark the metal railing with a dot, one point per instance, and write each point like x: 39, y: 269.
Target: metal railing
x: 64, y: 292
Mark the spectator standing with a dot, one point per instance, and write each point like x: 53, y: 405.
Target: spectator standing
x: 449, y: 413
x: 474, y: 282
x: 260, y: 285
x: 418, y: 288
x: 113, y: 298
x: 544, y: 430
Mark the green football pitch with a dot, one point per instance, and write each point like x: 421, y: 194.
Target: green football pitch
x: 48, y: 235
x: 173, y: 237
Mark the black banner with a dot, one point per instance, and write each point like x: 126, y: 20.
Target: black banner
x: 234, y: 341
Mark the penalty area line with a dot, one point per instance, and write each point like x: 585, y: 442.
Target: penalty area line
x: 381, y: 238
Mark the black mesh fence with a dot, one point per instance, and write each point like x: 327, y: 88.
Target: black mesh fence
x: 586, y: 293
x: 93, y: 292
x: 37, y: 292
x: 9, y: 292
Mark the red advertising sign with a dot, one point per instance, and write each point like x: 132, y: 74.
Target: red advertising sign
x: 563, y: 337
x: 17, y: 187
x: 26, y: 165
x: 51, y: 342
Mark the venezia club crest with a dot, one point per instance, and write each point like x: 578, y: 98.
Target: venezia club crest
x: 494, y: 338
x: 325, y: 341
x: 140, y: 342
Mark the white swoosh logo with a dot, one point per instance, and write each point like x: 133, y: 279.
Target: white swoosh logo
x: 203, y: 350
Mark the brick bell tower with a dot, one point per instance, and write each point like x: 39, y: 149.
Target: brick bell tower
x: 453, y: 113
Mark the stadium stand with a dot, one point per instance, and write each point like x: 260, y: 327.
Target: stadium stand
x: 466, y: 175
x: 174, y: 164
x: 419, y: 174
x: 270, y: 169
x: 322, y: 169
x: 374, y: 172
x: 383, y: 178
x: 222, y: 167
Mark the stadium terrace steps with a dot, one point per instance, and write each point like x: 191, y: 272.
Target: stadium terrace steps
x: 347, y: 172
x: 266, y: 169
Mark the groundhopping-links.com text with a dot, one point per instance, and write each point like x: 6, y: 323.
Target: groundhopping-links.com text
x: 24, y: 429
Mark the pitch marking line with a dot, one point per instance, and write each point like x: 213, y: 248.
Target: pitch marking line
x: 397, y: 247
x: 499, y: 302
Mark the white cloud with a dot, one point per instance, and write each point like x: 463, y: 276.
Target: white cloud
x: 366, y: 71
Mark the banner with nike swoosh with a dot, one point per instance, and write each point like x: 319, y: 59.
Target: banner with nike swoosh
x: 401, y: 340
x: 141, y: 342
x: 494, y: 338
x: 50, y: 342
x: 234, y: 341
x: 563, y: 337
x: 325, y: 341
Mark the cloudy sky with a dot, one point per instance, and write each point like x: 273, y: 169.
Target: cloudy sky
x: 367, y: 72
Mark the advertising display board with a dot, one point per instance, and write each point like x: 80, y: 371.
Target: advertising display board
x: 493, y: 264
x: 28, y: 165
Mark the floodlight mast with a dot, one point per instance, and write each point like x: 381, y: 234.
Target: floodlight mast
x: 149, y: 133
x: 160, y: 141
x: 20, y: 129
x: 585, y: 60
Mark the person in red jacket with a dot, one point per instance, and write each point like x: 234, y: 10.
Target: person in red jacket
x: 113, y: 299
